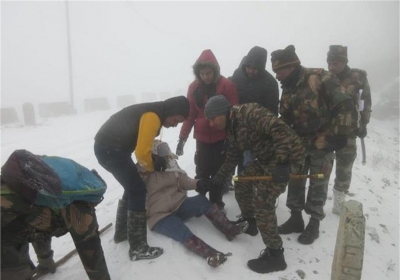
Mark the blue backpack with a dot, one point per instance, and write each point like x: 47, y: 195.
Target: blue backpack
x: 52, y: 181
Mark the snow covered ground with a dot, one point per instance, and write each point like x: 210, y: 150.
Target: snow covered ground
x: 375, y: 185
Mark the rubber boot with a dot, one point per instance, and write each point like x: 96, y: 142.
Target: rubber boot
x: 252, y: 228
x: 338, y: 201
x: 270, y: 260
x: 137, y: 237
x: 221, y: 222
x: 121, y: 222
x: 294, y: 224
x: 199, y: 247
x: 310, y: 233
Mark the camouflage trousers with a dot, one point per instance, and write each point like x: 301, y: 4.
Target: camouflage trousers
x: 317, y: 161
x: 258, y: 199
x: 344, y: 165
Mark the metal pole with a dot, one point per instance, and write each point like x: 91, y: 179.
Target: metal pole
x: 71, y: 84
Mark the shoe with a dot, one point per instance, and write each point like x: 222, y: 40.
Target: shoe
x: 252, y: 228
x: 310, y: 233
x: 338, y: 201
x: 295, y: 224
x: 270, y: 260
x: 217, y: 259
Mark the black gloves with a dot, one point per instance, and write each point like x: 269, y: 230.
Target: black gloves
x: 160, y: 164
x: 203, y: 186
x: 337, y: 142
x: 281, y: 173
x: 179, y: 148
x: 362, y: 131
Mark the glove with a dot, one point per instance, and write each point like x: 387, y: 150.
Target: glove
x: 338, y: 142
x: 362, y: 131
x: 47, y: 265
x: 160, y: 164
x: 203, y: 186
x: 179, y: 148
x: 281, y: 173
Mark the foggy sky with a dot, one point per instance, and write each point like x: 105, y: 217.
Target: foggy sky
x: 129, y: 47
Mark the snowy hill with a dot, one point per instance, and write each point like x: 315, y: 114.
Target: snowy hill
x: 375, y: 185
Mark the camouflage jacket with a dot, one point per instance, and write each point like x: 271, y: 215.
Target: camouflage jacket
x: 22, y: 222
x: 317, y: 107
x: 253, y: 127
x: 355, y: 82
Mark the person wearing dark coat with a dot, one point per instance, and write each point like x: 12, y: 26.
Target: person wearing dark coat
x: 133, y: 129
x: 255, y: 84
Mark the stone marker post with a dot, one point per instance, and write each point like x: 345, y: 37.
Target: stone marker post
x: 29, y: 114
x: 349, y: 251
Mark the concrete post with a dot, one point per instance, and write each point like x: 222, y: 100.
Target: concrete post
x: 349, y: 251
x: 29, y: 114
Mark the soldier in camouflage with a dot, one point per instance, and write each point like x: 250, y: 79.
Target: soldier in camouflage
x: 23, y: 223
x: 355, y: 83
x: 314, y: 106
x: 278, y: 151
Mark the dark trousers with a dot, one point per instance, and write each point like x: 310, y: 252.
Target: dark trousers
x: 120, y: 164
x: 208, y: 159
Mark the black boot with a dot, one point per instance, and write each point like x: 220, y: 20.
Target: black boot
x: 294, y: 224
x: 137, y: 237
x: 221, y: 222
x: 121, y: 222
x: 270, y: 260
x: 252, y: 229
x: 310, y: 233
x: 199, y: 247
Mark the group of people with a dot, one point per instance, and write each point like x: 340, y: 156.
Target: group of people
x: 239, y: 123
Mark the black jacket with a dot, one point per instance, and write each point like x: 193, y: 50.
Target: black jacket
x: 263, y: 89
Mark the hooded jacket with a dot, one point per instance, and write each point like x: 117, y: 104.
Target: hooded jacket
x: 262, y: 89
x: 198, y: 94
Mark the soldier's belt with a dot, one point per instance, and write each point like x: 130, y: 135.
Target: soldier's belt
x: 269, y: 178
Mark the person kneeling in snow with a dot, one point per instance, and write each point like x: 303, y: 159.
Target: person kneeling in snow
x: 34, y: 208
x: 168, y: 205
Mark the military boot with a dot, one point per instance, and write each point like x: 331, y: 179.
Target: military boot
x: 310, y: 233
x: 252, y: 228
x: 294, y: 224
x: 199, y: 247
x: 137, y: 237
x: 270, y: 260
x: 121, y: 222
x: 221, y: 222
x: 338, y: 201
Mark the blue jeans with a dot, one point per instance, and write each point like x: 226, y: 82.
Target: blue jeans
x: 120, y: 164
x: 173, y: 226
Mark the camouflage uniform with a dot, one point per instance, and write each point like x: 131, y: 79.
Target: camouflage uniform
x: 254, y: 128
x: 354, y: 82
x: 22, y: 223
x: 317, y: 109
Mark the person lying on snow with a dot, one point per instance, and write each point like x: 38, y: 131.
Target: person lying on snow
x: 168, y: 205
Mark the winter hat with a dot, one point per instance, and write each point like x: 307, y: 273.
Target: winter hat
x: 257, y: 58
x: 284, y: 58
x: 178, y: 105
x: 216, y: 106
x: 162, y: 149
x: 337, y: 53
